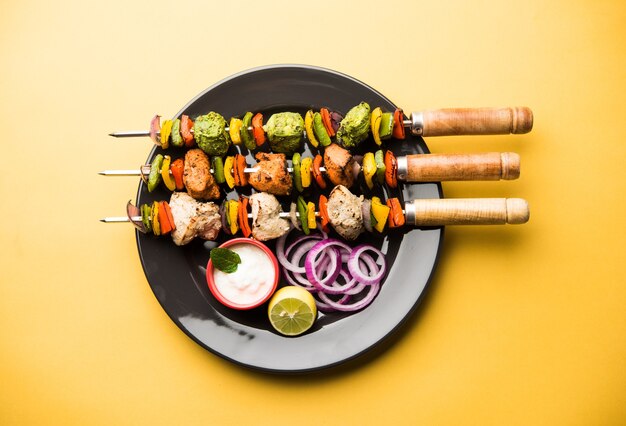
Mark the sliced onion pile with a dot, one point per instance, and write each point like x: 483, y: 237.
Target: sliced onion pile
x: 341, y: 277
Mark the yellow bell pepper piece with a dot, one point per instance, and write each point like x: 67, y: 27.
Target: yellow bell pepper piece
x: 235, y: 130
x: 369, y: 169
x: 380, y: 212
x: 305, y: 171
x: 308, y: 126
x: 233, y: 215
x: 166, y: 131
x: 156, y: 225
x: 375, y: 119
x: 310, y: 215
x: 229, y: 162
x: 168, y: 180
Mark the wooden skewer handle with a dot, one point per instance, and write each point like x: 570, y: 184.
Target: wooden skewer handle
x: 467, y: 211
x: 446, y: 167
x: 472, y: 121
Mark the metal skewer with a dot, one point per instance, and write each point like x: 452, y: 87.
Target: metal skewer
x: 132, y: 172
x: 145, y: 170
x: 139, y: 133
x: 130, y: 134
x: 123, y: 219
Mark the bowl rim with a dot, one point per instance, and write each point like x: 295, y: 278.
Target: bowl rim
x: 229, y: 303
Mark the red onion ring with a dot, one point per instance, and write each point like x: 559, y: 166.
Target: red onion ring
x: 367, y: 265
x: 299, y: 254
x: 360, y: 304
x: 350, y: 287
x: 356, y: 287
x: 300, y: 240
x: 327, y: 308
x: 355, y: 270
x: 294, y: 264
x: 299, y: 280
x: 312, y: 266
x: 335, y: 273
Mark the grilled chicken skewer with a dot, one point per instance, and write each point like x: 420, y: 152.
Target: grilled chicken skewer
x: 272, y: 175
x: 345, y: 212
x: 418, y: 167
x: 436, y: 212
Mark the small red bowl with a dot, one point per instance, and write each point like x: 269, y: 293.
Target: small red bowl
x: 233, y: 304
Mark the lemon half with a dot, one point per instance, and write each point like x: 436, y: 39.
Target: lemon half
x: 292, y: 310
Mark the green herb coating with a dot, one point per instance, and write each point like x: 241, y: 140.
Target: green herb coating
x: 355, y: 126
x: 284, y: 131
x: 210, y: 133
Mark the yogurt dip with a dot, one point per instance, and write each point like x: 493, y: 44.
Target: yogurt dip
x: 253, y: 282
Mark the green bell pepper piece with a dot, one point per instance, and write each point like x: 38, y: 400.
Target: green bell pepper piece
x: 218, y: 169
x: 297, y: 174
x: 176, y: 137
x: 246, y: 135
x: 386, y: 125
x: 379, y: 157
x: 320, y: 131
x: 146, y: 214
x: 302, y: 212
x: 154, y: 178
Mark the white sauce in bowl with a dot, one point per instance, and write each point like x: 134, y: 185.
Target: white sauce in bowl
x: 252, y: 281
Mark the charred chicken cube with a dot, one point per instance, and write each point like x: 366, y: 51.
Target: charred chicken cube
x: 345, y: 213
x: 193, y: 219
x: 208, y: 221
x: 266, y: 222
x: 339, y: 165
x: 197, y: 177
x: 271, y: 174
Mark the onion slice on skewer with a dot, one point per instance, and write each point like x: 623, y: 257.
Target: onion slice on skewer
x: 133, y: 211
x: 155, y: 129
x: 294, y: 217
x: 366, y: 208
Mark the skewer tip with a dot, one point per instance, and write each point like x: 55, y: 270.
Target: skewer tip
x: 129, y: 133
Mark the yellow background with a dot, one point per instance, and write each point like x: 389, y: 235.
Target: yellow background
x: 522, y: 324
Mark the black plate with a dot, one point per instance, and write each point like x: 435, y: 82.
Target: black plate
x: 177, y: 274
